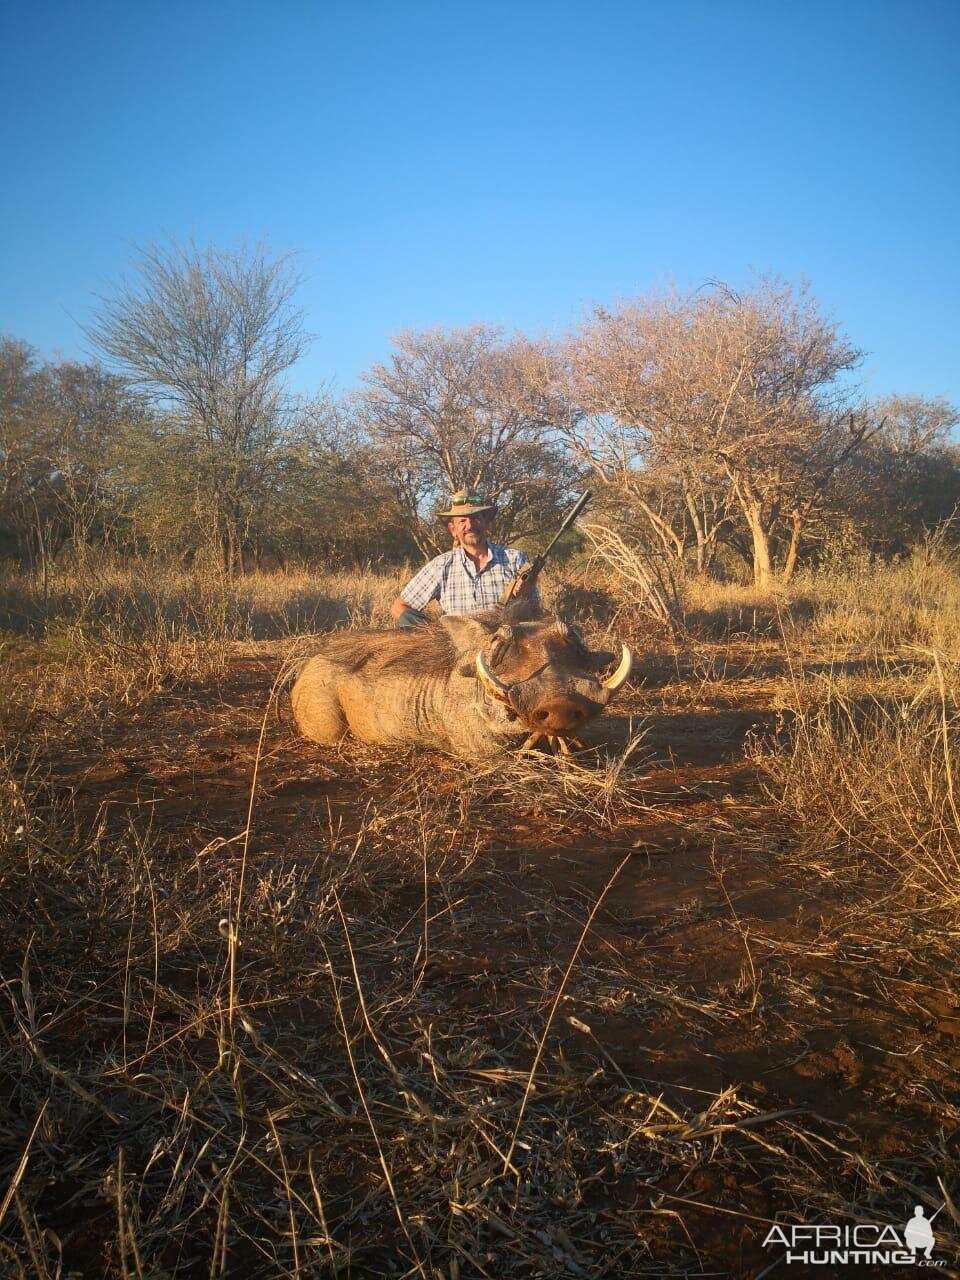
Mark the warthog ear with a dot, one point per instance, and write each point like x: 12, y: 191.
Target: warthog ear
x: 467, y: 634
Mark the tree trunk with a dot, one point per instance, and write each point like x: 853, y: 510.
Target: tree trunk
x: 762, y: 567
x: 699, y: 532
x: 796, y: 532
x: 752, y: 507
x: 706, y: 554
x: 229, y: 551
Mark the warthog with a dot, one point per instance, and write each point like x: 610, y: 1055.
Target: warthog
x: 472, y: 685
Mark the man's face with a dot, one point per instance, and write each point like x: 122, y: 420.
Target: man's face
x: 470, y: 532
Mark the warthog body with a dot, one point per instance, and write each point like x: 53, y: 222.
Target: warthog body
x: 473, y: 685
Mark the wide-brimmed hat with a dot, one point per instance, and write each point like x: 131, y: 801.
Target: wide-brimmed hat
x: 467, y: 503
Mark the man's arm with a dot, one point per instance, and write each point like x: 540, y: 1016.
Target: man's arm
x: 423, y: 587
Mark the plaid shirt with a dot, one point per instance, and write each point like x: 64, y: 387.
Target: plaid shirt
x: 452, y: 579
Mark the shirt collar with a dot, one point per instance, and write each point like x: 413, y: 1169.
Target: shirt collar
x: 497, y: 556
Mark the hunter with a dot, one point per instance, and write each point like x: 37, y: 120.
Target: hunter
x: 472, y: 576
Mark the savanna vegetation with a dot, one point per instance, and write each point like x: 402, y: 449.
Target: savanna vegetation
x: 269, y: 1009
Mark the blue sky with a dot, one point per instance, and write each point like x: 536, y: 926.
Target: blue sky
x: 510, y: 163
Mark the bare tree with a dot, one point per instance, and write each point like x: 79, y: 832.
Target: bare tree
x: 640, y: 425
x: 736, y: 399
x: 25, y: 448
x: 914, y: 424
x: 19, y: 379
x: 904, y: 482
x: 89, y: 411
x: 466, y: 408
x: 770, y: 372
x: 208, y: 334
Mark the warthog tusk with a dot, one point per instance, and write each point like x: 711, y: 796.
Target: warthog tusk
x: 613, y: 683
x: 496, y: 688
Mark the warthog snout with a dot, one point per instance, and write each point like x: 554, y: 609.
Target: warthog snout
x: 561, y: 715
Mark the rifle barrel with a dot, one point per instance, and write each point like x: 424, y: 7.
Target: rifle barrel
x: 567, y: 522
x: 532, y: 571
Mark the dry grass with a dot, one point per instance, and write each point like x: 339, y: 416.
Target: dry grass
x: 97, y: 646
x: 363, y: 1033
x: 604, y: 786
x: 130, y: 598
x: 337, y: 1109
x: 884, y: 607
x: 864, y: 603
x: 872, y: 782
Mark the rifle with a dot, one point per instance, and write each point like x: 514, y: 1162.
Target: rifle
x: 530, y: 572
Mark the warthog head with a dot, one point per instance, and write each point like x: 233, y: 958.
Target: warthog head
x: 538, y: 677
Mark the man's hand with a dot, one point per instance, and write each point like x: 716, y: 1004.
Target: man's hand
x: 521, y: 587
x: 399, y: 606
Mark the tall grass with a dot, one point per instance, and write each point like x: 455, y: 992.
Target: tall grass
x: 125, y: 599
x: 93, y: 644
x: 872, y: 782
x: 874, y: 604
x: 862, y: 602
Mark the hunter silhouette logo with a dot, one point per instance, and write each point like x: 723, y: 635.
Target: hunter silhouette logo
x: 864, y: 1243
x: 918, y: 1233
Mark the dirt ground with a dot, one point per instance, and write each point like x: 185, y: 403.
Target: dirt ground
x: 717, y: 966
